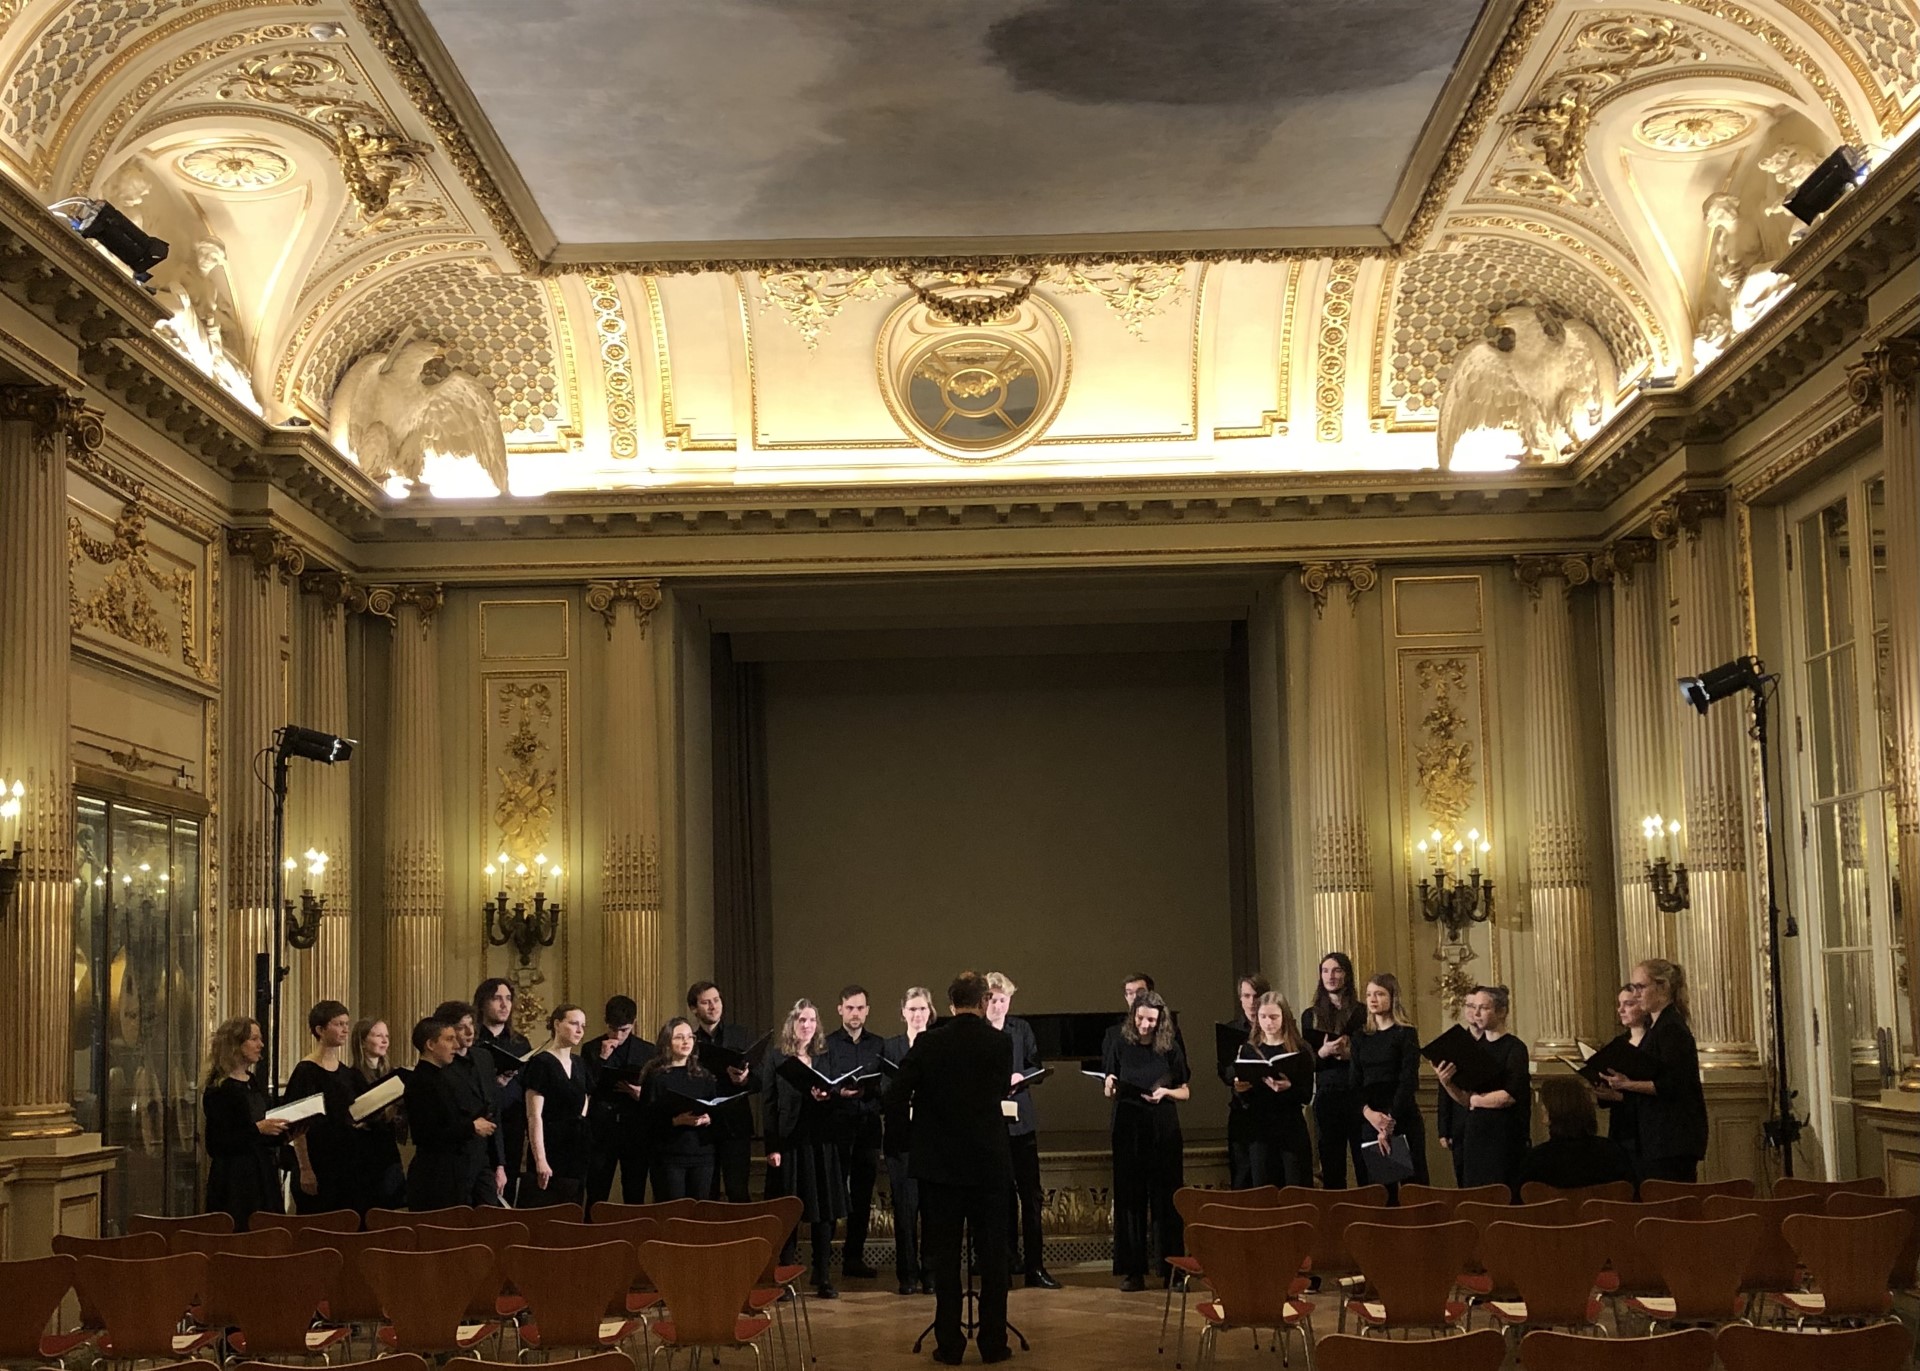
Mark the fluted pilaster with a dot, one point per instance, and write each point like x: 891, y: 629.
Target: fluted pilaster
x: 1559, y: 866
x: 416, y: 868
x: 1645, y: 779
x: 1888, y: 378
x: 319, y: 812
x: 37, y: 424
x: 630, y: 871
x: 1343, y: 915
x: 1714, y: 937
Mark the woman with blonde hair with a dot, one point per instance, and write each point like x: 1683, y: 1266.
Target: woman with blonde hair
x: 379, y: 1181
x: 1386, y: 1074
x: 802, y: 1158
x: 1670, y: 1109
x: 556, y: 1086
x: 1279, y: 1151
x: 1499, y: 1122
x: 243, y: 1176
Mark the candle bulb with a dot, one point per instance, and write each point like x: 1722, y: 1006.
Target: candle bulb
x: 1673, y: 841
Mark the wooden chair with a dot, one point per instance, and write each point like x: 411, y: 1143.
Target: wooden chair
x: 600, y: 1361
x: 1187, y: 1202
x: 1238, y: 1262
x: 768, y: 1294
x: 1482, y: 1351
x: 1410, y: 1273
x: 1655, y: 1191
x: 1883, y: 1347
x: 545, y: 1220
x: 350, y: 1300
x: 1538, y: 1192
x: 788, y: 1276
x: 1411, y: 1192
x: 142, y: 1303
x: 1485, y: 1284
x: 1700, y: 1261
x: 132, y: 1247
x: 453, y: 1216
x: 1792, y: 1187
x: 166, y: 1225
x: 1554, y: 1269
x: 606, y: 1211
x: 261, y: 1242
x: 332, y: 1221
x: 568, y: 1291
x: 399, y: 1361
x: 1330, y: 1260
x: 1772, y: 1268
x: 1691, y: 1349
x: 1631, y: 1270
x: 1346, y: 1265
x: 639, y: 1296
x: 491, y: 1302
x: 425, y: 1297
x: 1849, y: 1260
x: 1849, y: 1206
x: 1229, y: 1216
x: 34, y: 1292
x: 705, y: 1289
x: 270, y: 1303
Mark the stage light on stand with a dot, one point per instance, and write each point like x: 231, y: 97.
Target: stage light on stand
x: 136, y: 249
x: 1729, y: 678
x: 1821, y: 191
x: 312, y: 744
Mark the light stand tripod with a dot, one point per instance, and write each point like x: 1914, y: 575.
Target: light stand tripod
x: 969, y: 1300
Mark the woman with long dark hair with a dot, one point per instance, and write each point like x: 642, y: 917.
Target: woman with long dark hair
x: 1330, y: 1025
x: 1241, y: 1134
x: 1670, y: 1109
x: 1146, y: 1076
x: 1499, y: 1121
x: 1386, y: 1074
x: 377, y: 1180
x: 802, y: 1158
x: 555, y: 1082
x: 1281, y: 1153
x: 243, y: 1144
x: 681, y: 1132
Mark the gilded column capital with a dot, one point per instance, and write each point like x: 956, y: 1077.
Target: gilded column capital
x: 603, y: 597
x: 1686, y: 512
x: 334, y: 591
x: 1359, y: 577
x: 1892, y: 367
x: 1575, y: 568
x: 426, y: 598
x: 54, y: 411
x: 1618, y: 558
x: 271, y: 552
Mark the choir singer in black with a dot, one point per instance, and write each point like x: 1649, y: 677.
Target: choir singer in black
x: 949, y: 1089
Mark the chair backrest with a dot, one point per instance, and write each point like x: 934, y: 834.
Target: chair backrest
x: 168, y: 1224
x: 425, y: 1295
x: 569, y: 1289
x: 1700, y: 1262
x: 600, y: 1361
x: 786, y: 1208
x: 1401, y: 1216
x: 1331, y: 1254
x: 1412, y: 1269
x: 261, y: 1242
x: 1540, y: 1212
x: 1847, y: 1205
x: 1655, y: 1191
x: 1240, y: 1263
x: 1850, y: 1258
x: 540, y: 1222
x: 141, y: 1302
x: 350, y: 1298
x: 272, y: 1300
x: 453, y: 1216
x: 1452, y: 1197
x: 705, y: 1287
x: 1374, y: 1195
x: 34, y: 1291
x: 1791, y: 1187
x: 766, y: 1227
x: 1537, y: 1192
x: 332, y: 1221
x: 1188, y: 1199
x: 1633, y: 1269
x: 1480, y: 1351
x: 132, y: 1247
x: 606, y: 1211
x: 1232, y: 1216
x: 1691, y: 1349
x: 397, y: 1361
x: 496, y: 1238
x: 1553, y: 1268
x: 1772, y: 1265
x: 1881, y: 1347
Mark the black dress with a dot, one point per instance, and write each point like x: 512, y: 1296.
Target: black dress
x: 447, y: 1153
x: 1280, y: 1152
x: 681, y: 1154
x: 329, y: 1137
x: 1148, y: 1160
x: 1336, y: 1104
x: 1496, y: 1139
x: 375, y: 1177
x: 1386, y: 1071
x: 243, y: 1178
x: 1673, y: 1120
x: 801, y: 1129
x: 563, y: 1128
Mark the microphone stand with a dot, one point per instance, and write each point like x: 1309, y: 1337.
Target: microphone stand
x: 969, y: 1300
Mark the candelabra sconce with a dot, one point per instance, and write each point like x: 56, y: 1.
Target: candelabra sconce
x: 1456, y: 895
x: 514, y: 923
x: 12, y: 865
x: 303, y: 928
x: 1666, y: 877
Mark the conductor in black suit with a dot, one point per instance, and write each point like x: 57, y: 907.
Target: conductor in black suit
x: 950, y: 1087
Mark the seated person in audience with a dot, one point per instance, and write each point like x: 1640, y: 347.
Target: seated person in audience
x: 1574, y: 1155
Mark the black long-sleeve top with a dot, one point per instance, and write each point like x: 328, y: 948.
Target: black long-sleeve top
x: 898, y: 1138
x: 1386, y: 1071
x: 1026, y: 1058
x: 1129, y: 1060
x: 1331, y: 1073
x: 734, y: 1121
x: 1672, y: 1120
x: 663, y: 1103
x: 439, y: 1116
x: 790, y: 1116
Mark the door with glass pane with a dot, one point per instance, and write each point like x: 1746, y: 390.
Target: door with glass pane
x: 136, y: 1029
x: 1839, y: 851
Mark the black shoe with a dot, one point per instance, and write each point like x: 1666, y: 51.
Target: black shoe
x: 998, y: 1354
x: 1041, y: 1279
x: 926, y: 1285
x: 825, y: 1291
x: 907, y: 1287
x: 857, y: 1270
x: 1133, y: 1283
x: 949, y: 1358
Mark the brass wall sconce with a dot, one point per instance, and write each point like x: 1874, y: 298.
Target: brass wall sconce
x: 526, y: 929
x: 1666, y: 878
x: 1456, y: 895
x: 12, y: 865
x: 303, y: 928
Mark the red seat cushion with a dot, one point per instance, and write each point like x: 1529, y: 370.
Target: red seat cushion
x: 460, y: 1340
x: 1363, y: 1310
x: 640, y: 1300
x: 1297, y: 1311
x: 1190, y: 1265
x: 55, y: 1345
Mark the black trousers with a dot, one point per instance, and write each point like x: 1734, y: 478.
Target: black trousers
x: 1272, y: 1161
x: 621, y: 1148
x: 908, y: 1252
x: 1147, y: 1168
x: 952, y: 1210
x: 682, y: 1178
x: 1023, y: 1204
x: 1337, y: 1119
x: 1670, y: 1169
x: 860, y: 1164
x: 732, y: 1166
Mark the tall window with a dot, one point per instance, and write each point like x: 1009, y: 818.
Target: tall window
x: 136, y: 999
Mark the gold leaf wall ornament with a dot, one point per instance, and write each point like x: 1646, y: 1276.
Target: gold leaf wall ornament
x: 974, y: 299
x: 1443, y: 758
x: 811, y: 300
x: 523, y: 809
x: 602, y: 596
x: 1330, y: 366
x: 121, y: 605
x: 616, y: 366
x: 1692, y: 128
x: 1135, y: 291
x: 236, y: 166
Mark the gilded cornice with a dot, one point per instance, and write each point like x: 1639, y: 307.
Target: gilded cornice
x: 604, y: 598
x: 54, y: 413
x: 1619, y: 557
x: 334, y: 590
x: 1686, y: 512
x: 426, y: 598
x: 1891, y: 368
x: 272, y: 552
x: 1575, y: 568
x: 1357, y: 577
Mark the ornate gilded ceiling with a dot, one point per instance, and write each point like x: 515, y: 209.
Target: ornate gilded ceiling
x: 337, y: 176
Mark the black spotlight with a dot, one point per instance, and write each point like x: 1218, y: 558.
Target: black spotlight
x: 119, y: 235
x: 1742, y: 673
x: 311, y: 743
x: 1832, y: 179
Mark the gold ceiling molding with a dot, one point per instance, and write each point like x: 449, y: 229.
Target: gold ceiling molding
x: 811, y: 300
x: 1274, y: 421
x: 235, y: 166
x: 1894, y: 31
x: 674, y: 434
x: 1693, y: 128
x: 1134, y: 291
x: 616, y: 367
x: 120, y: 605
x: 1330, y: 366
x: 1791, y: 52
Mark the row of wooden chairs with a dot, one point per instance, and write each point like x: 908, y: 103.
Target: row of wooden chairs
x: 1740, y: 1347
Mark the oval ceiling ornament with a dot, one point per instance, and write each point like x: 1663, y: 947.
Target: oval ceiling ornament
x: 974, y: 393
x: 1693, y: 128
x: 237, y: 167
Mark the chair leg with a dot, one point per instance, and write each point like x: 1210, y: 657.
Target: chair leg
x: 1180, y: 1338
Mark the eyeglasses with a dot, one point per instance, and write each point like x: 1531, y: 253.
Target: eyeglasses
x: 1639, y: 985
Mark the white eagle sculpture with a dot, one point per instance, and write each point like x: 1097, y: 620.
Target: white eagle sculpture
x: 1539, y: 372
x: 390, y: 416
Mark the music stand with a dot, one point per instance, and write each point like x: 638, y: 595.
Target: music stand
x: 970, y: 1302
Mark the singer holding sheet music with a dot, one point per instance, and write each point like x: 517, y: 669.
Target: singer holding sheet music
x: 1279, y: 1150
x: 377, y: 1178
x: 732, y: 1123
x: 1146, y: 1075
x: 1499, y: 1119
x: 1023, y: 1137
x: 556, y: 1087
x: 1241, y: 1140
x: 1333, y: 1021
x: 493, y: 1027
x: 473, y: 1074
x: 243, y: 1176
x: 1670, y: 1109
x: 449, y: 1139
x: 324, y: 1149
x: 1623, y: 1114
x: 681, y: 1131
x: 802, y: 1156
x: 856, y: 1122
x: 909, y: 1255
x: 618, y: 1125
x: 1386, y: 1074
